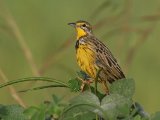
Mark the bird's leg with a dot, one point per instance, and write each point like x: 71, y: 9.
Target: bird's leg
x: 96, y: 79
x: 85, y: 82
x: 104, y: 84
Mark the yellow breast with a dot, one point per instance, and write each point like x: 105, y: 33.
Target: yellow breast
x: 86, y: 60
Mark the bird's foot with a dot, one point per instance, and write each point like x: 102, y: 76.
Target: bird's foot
x: 85, y: 82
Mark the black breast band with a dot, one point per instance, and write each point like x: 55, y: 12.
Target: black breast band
x: 77, y: 44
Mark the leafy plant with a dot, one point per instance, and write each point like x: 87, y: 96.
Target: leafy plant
x: 46, y: 111
x: 12, y: 112
x: 87, y: 105
x: 112, y: 106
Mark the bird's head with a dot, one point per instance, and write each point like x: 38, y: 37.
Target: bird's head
x: 83, y: 28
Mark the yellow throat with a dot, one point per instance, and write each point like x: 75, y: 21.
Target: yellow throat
x: 80, y: 33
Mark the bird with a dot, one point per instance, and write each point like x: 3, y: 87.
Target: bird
x: 94, y: 56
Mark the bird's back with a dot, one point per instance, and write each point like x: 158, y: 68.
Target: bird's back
x: 92, y: 55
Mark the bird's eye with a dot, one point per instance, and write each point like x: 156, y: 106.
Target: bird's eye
x: 84, y: 25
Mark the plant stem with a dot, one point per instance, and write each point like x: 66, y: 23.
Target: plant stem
x: 12, y: 90
x: 33, y: 79
x: 96, y: 80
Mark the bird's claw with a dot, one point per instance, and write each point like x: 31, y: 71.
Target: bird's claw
x: 85, y: 82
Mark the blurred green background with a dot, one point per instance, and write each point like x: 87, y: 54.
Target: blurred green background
x: 39, y: 28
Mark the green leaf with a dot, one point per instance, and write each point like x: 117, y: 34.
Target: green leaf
x: 46, y: 109
x: 156, y: 116
x: 40, y: 115
x: 31, y: 111
x: 86, y: 97
x: 112, y: 106
x: 74, y: 85
x: 125, y: 87
x: 56, y: 106
x: 83, y: 106
x: 78, y: 110
x: 36, y: 113
x: 137, y: 118
x: 12, y: 112
x: 77, y: 114
x: 86, y: 101
x: 56, y: 99
x: 98, y: 94
x: 116, y: 106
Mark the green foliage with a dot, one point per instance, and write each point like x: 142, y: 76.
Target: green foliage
x: 111, y: 106
x: 74, y: 85
x: 12, y: 112
x: 83, y: 104
x: 46, y: 110
x: 120, y: 87
x: 41, y: 42
x: 140, y: 111
x: 118, y: 105
x: 156, y: 116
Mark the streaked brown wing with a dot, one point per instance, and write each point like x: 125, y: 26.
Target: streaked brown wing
x: 106, y: 61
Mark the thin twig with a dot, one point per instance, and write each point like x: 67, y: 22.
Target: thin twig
x: 132, y: 51
x: 109, y: 21
x: 51, y: 59
x: 100, y: 8
x: 28, y: 55
x: 125, y: 24
x: 12, y: 90
x: 12, y: 25
x: 151, y: 18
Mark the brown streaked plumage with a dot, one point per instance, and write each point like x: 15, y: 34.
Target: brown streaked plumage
x: 92, y: 55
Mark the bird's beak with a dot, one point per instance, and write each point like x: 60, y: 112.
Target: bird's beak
x: 72, y: 24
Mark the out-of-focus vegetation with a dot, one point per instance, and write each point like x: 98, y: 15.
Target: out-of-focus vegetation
x: 36, y: 41
x: 88, y: 105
